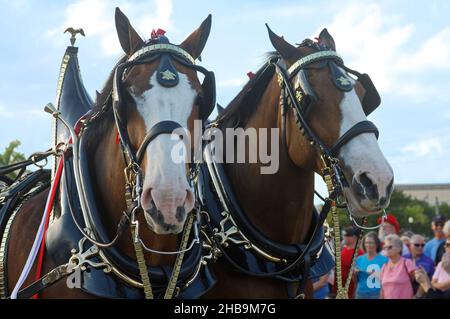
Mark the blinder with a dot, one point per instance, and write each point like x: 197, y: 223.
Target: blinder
x: 308, y: 96
x: 371, y: 99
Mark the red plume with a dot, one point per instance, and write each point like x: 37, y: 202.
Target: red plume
x: 157, y: 33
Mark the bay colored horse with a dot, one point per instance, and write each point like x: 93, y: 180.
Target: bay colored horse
x: 334, y: 107
x: 157, y: 84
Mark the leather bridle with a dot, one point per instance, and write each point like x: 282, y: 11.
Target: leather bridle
x: 144, y: 56
x: 303, y: 103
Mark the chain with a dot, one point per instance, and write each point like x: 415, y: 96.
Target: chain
x: 148, y: 292
x: 355, y: 255
x: 179, y: 261
x: 341, y: 291
x: 327, y: 176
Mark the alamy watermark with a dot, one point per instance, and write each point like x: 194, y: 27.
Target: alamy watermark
x: 237, y: 145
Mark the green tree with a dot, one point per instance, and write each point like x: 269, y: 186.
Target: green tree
x: 11, y: 156
x: 412, y: 214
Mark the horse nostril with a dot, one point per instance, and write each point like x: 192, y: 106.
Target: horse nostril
x: 365, y: 180
x: 181, y: 213
x: 366, y: 187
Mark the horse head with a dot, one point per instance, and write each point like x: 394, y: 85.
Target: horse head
x: 335, y: 107
x: 160, y: 94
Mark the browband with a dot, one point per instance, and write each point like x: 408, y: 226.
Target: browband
x: 313, y: 57
x: 162, y: 47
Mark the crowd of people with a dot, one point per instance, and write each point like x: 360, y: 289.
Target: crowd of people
x: 390, y: 266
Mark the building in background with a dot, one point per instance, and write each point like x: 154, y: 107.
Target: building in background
x: 434, y: 194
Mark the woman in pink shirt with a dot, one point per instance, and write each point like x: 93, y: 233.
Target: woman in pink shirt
x: 441, y: 277
x: 397, y: 273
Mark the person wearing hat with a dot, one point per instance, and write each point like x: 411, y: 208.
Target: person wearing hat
x: 431, y: 247
x: 351, y: 235
x: 388, y: 227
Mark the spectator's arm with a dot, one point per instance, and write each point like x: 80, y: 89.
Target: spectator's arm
x: 321, y: 282
x: 420, y: 292
x: 443, y: 286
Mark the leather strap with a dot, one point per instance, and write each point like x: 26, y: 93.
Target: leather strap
x: 48, y: 280
x: 358, y: 129
x: 163, y: 127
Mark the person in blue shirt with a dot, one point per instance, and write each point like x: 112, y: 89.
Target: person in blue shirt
x: 321, y: 288
x: 368, y: 268
x: 420, y: 259
x: 431, y: 247
x: 417, y: 247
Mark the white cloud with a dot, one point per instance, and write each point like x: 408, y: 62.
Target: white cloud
x: 5, y: 113
x: 28, y: 113
x: 96, y: 17
x: 376, y: 42
x: 433, y: 54
x: 424, y: 147
x: 367, y: 42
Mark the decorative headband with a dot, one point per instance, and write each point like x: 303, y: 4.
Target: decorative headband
x: 313, y: 58
x: 163, y: 47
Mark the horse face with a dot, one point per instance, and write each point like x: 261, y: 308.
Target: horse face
x: 369, y: 175
x: 167, y: 197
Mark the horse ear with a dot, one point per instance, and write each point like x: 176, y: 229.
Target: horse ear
x: 195, y: 43
x: 327, y: 39
x: 287, y: 51
x: 128, y: 37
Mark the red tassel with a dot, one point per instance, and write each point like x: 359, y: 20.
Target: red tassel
x: 117, y: 138
x: 157, y: 33
x: 250, y: 75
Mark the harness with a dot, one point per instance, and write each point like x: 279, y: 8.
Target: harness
x: 188, y: 278
x: 234, y: 235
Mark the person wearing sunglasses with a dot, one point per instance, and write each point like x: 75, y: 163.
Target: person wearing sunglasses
x: 432, y: 245
x: 417, y: 244
x: 397, y: 274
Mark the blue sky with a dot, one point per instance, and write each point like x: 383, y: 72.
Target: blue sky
x: 403, y: 45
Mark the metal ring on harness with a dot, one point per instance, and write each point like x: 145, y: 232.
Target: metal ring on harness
x: 36, y: 161
x: 353, y: 220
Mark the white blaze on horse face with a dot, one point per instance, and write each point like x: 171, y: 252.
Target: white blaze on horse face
x: 165, y: 183
x: 366, y: 169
